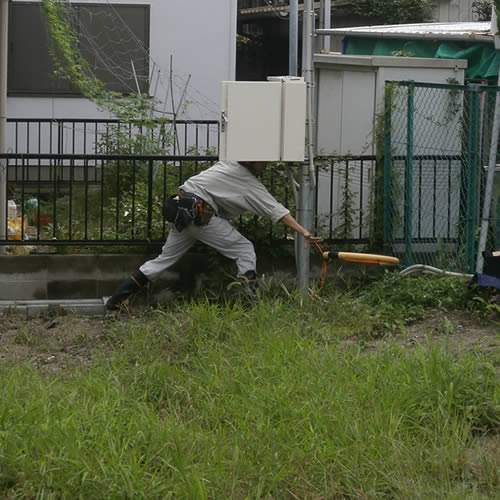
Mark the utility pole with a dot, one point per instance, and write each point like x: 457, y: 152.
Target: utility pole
x: 305, y: 210
x: 4, y: 24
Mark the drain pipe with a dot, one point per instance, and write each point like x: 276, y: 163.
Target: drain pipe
x: 293, y: 52
x: 4, y: 25
x: 293, y: 42
x: 308, y: 74
x: 326, y: 24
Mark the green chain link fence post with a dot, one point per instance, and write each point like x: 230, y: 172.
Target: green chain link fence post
x: 471, y: 188
x: 408, y: 204
x: 387, y: 169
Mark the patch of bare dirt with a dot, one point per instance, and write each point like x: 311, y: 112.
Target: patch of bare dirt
x: 460, y: 329
x: 53, y: 341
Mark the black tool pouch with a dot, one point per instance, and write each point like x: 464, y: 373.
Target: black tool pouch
x: 170, y: 208
x: 200, y: 211
x: 183, y: 219
x: 176, y: 214
x: 186, y: 208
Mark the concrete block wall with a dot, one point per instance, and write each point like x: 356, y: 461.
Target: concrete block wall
x: 46, y: 277
x: 84, y: 277
x: 77, y: 277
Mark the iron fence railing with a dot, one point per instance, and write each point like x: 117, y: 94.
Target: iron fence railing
x: 93, y: 199
x: 100, y: 199
x: 107, y: 136
x: 345, y: 198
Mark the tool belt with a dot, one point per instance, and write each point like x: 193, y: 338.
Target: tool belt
x: 185, y: 208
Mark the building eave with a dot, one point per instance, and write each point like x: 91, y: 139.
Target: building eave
x: 474, y: 31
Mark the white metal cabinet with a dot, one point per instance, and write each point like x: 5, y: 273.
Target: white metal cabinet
x: 263, y: 121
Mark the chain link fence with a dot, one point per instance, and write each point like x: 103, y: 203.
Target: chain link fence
x: 436, y: 152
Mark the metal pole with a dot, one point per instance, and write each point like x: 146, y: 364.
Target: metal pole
x: 293, y: 42
x: 4, y: 26
x: 305, y: 189
x: 489, y: 184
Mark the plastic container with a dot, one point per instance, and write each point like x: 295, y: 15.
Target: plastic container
x: 11, y: 209
x: 491, y: 264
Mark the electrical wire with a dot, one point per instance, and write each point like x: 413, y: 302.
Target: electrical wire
x: 314, y: 293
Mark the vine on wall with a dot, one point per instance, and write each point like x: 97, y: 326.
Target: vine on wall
x: 71, y: 66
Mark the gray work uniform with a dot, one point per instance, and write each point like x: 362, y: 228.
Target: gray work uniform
x: 231, y: 189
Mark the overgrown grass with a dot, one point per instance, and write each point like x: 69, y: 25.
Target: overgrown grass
x: 218, y: 401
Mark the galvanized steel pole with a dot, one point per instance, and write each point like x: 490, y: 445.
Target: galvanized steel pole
x: 4, y: 23
x: 307, y: 169
x: 488, y: 194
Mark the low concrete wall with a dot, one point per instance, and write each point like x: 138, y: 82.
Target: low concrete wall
x: 42, y: 277
x: 64, y: 277
x: 77, y: 277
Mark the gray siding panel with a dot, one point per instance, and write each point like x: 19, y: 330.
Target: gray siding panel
x: 454, y: 11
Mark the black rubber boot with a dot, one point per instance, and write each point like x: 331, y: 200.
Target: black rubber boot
x: 249, y: 286
x: 131, y: 285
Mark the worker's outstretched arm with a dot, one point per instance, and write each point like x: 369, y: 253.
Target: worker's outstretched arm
x: 290, y: 222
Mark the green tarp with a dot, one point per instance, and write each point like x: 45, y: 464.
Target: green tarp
x: 482, y: 57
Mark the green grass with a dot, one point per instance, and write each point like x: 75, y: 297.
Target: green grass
x: 205, y: 400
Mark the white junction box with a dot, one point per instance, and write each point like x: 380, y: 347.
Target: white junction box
x: 263, y: 121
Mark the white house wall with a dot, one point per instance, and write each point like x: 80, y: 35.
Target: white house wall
x: 199, y: 35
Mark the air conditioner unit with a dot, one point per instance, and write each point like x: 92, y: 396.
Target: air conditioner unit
x: 263, y: 121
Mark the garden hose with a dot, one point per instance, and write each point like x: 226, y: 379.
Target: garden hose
x: 362, y: 258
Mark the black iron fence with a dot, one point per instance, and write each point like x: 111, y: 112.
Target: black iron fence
x: 92, y: 199
x: 344, y: 198
x: 83, y: 182
x: 110, y: 200
x: 107, y: 136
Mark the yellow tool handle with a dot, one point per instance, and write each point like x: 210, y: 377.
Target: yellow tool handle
x: 368, y: 258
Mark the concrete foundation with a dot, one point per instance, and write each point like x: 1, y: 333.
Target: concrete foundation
x: 79, y: 284
x: 54, y: 277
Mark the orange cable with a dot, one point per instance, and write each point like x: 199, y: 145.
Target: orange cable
x: 322, y: 277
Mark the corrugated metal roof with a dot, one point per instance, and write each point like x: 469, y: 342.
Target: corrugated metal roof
x: 271, y: 9
x: 440, y: 31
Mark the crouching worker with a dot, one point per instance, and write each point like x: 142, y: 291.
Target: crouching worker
x: 201, y: 212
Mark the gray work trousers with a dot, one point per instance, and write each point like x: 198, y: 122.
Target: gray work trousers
x: 218, y: 234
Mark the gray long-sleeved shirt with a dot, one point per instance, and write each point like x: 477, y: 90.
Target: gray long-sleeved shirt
x: 231, y: 189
